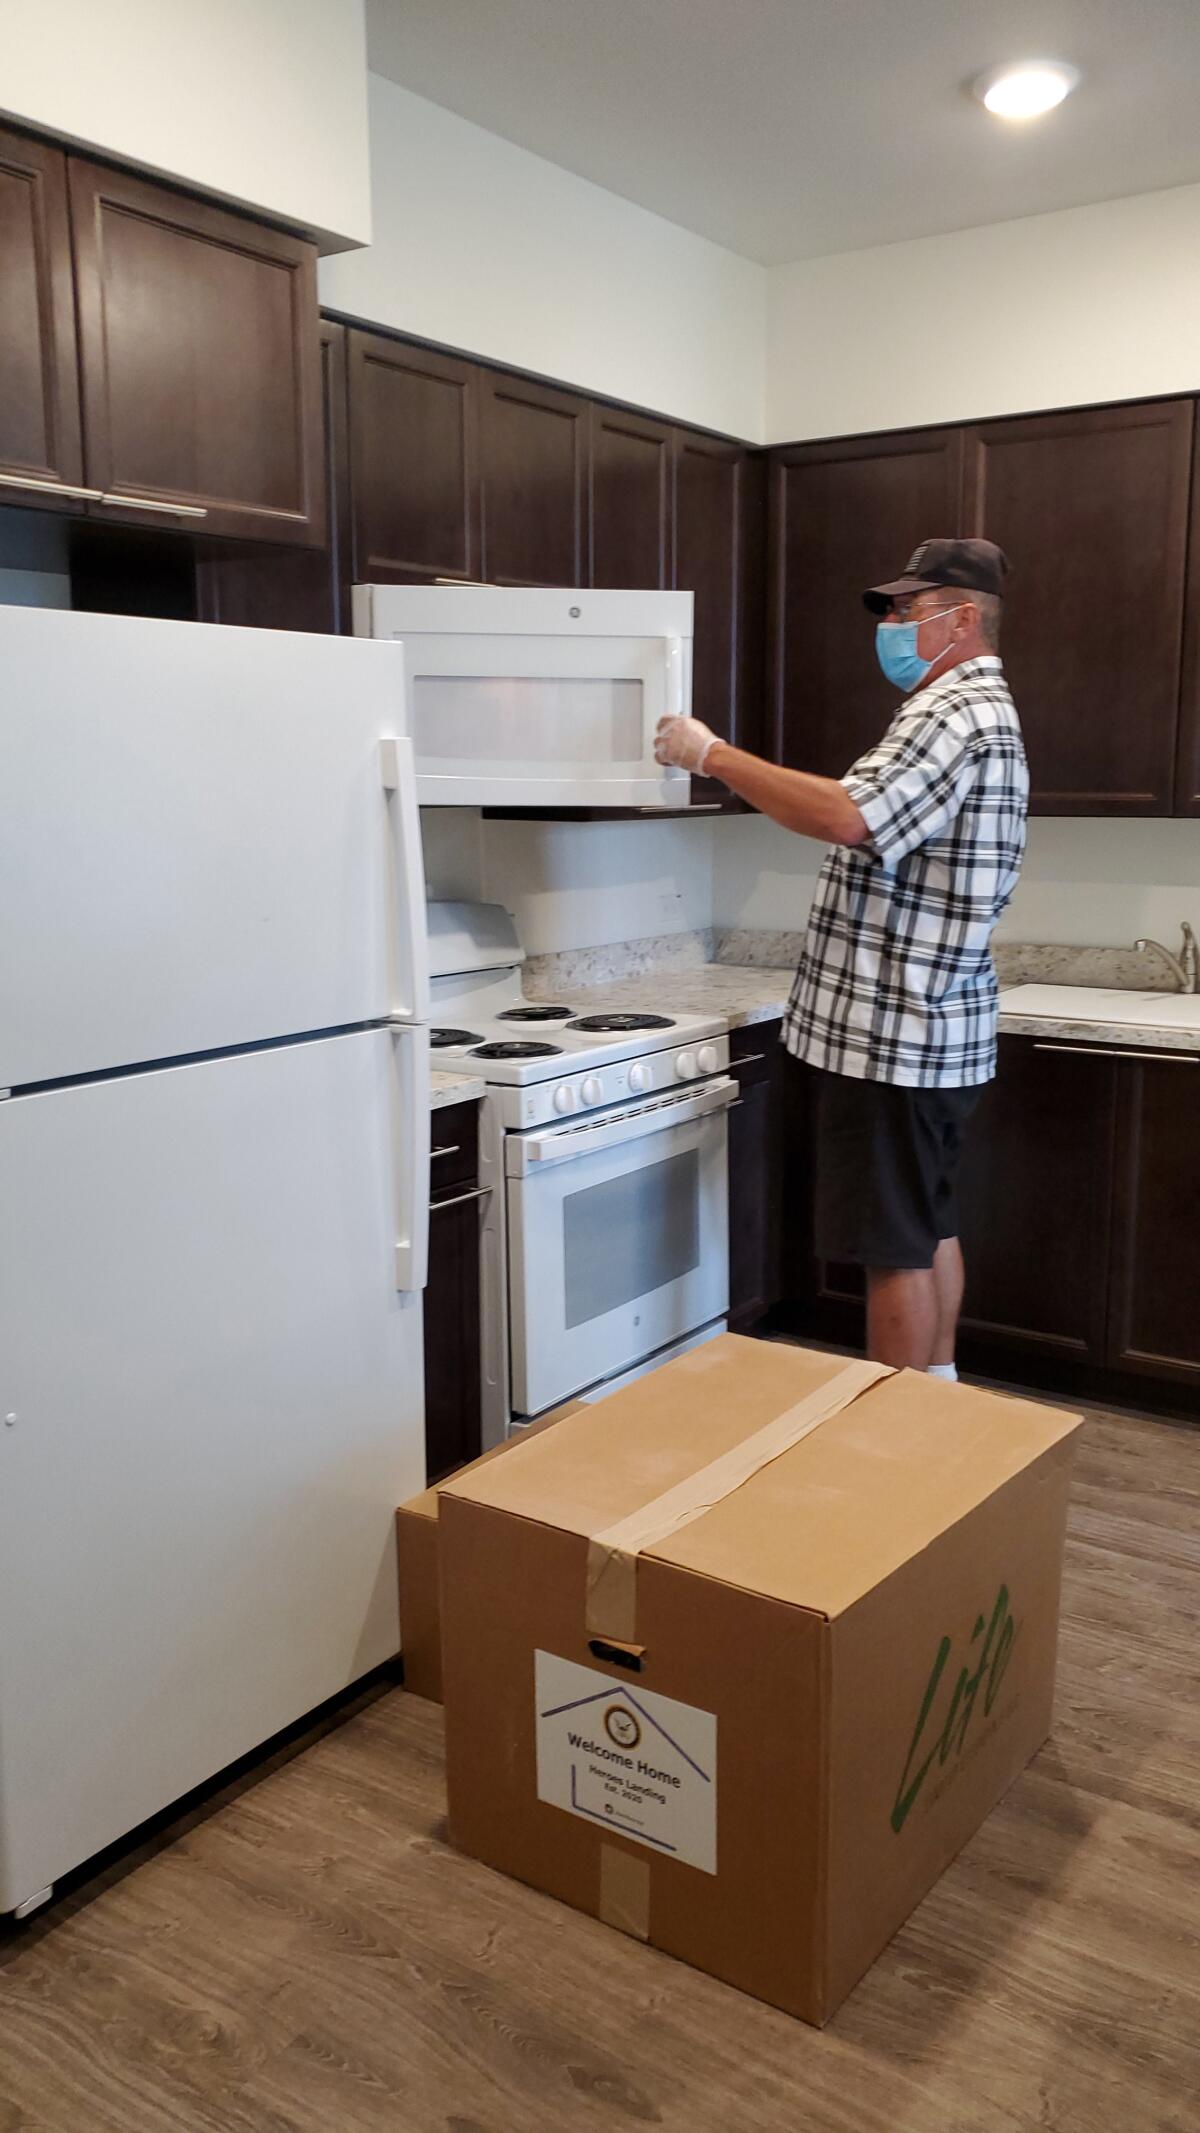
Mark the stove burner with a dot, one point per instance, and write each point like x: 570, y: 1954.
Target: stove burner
x: 535, y: 1014
x: 623, y: 1022
x: 515, y: 1050
x: 440, y: 1038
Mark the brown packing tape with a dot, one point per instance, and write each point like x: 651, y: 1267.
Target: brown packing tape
x: 624, y: 1892
x: 612, y: 1555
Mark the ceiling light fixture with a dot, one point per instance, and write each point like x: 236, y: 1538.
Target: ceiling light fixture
x: 1025, y: 91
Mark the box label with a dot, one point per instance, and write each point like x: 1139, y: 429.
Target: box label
x: 639, y: 1764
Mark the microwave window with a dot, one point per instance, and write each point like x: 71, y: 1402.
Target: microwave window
x: 469, y: 718
x: 630, y: 1235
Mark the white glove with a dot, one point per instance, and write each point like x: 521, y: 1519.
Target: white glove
x: 683, y: 741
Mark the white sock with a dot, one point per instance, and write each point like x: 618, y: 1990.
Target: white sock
x: 943, y: 1370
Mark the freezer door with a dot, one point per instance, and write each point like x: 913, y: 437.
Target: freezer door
x: 214, y: 1402
x: 203, y: 840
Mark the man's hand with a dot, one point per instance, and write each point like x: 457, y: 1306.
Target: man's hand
x: 683, y: 741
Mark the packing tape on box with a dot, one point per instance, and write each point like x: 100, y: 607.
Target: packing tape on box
x: 613, y: 1554
x: 624, y: 1892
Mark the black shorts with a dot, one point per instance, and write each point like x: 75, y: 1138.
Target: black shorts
x: 886, y: 1169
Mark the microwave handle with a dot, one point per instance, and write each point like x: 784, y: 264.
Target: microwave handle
x: 673, y: 695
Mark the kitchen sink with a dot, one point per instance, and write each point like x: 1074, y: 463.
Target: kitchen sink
x: 1093, y: 1003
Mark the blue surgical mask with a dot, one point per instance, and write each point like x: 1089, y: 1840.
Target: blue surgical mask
x: 896, y: 650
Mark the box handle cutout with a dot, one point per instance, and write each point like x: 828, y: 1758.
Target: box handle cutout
x: 628, y: 1655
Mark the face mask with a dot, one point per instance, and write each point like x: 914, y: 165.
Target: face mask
x: 896, y: 650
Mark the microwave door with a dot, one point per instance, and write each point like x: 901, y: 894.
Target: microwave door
x: 545, y: 721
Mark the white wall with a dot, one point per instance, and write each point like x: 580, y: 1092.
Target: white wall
x: 1092, y: 303
x: 1084, y: 883
x: 575, y: 884
x: 260, y: 101
x: 484, y: 247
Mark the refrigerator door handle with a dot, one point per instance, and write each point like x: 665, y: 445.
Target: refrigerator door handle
x: 410, y: 1154
x: 406, y: 884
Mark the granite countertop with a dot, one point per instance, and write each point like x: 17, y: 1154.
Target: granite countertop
x: 740, y: 992
x: 449, y: 1088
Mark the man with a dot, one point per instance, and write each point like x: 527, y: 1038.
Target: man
x: 894, y: 1005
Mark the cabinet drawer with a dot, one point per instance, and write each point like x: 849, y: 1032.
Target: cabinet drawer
x: 754, y: 1052
x: 453, y: 1149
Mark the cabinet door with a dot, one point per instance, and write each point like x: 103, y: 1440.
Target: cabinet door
x: 1035, y: 1202
x: 1187, y: 762
x: 414, y: 449
x: 453, y: 1383
x: 302, y: 588
x: 1091, y: 510
x: 719, y: 542
x: 535, y: 455
x: 844, y: 516
x: 200, y: 361
x: 755, y: 1174
x: 39, y: 384
x: 1155, y: 1328
x: 631, y: 499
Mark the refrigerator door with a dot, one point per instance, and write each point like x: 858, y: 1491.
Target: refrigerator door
x: 211, y: 1402
x: 203, y: 840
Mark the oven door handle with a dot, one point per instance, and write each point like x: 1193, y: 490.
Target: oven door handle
x: 565, y: 1144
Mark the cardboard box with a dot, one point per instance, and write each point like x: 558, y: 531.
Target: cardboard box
x: 417, y: 1563
x: 739, y: 1660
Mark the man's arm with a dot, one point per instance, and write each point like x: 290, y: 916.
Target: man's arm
x: 814, y: 807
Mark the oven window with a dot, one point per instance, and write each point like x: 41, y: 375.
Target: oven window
x: 630, y: 1235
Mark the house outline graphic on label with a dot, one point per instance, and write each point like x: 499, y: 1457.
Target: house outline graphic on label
x: 612, y: 1694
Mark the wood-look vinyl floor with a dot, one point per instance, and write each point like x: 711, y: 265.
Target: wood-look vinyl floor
x: 309, y: 1954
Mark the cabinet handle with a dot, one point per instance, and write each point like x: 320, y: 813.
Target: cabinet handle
x: 738, y: 1104
x: 748, y: 1059
x: 151, y: 503
x: 443, y: 1151
x: 1108, y: 1051
x: 460, y: 1199
x: 50, y: 488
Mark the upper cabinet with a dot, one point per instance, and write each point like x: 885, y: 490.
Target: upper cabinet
x: 199, y: 360
x: 1092, y: 511
x: 1187, y: 759
x: 535, y: 468
x: 159, y: 358
x: 844, y: 516
x: 719, y: 534
x: 632, y: 499
x: 40, y: 450
x: 414, y: 462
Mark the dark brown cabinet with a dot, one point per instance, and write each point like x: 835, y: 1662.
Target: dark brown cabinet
x: 1155, y: 1319
x: 452, y: 1296
x: 1092, y: 510
x: 304, y: 588
x: 199, y: 361
x: 1187, y: 759
x: 1035, y: 1195
x: 414, y: 462
x: 40, y: 446
x: 756, y: 1129
x: 844, y: 516
x: 719, y: 534
x: 632, y: 499
x: 535, y: 464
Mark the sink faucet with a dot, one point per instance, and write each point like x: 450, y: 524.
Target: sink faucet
x: 1186, y: 969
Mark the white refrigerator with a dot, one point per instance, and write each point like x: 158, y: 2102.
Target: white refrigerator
x: 214, y: 1191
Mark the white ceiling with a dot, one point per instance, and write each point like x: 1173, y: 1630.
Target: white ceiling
x: 786, y: 129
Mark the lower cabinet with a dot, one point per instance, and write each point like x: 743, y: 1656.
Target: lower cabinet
x: 452, y: 1297
x: 1154, y: 1318
x: 1035, y: 1200
x: 756, y: 1128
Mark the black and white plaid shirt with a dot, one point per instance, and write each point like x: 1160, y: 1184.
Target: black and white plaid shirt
x: 896, y: 982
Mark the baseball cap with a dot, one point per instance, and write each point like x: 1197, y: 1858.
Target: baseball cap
x: 973, y: 566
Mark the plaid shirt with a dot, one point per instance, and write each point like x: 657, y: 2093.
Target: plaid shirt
x: 896, y: 982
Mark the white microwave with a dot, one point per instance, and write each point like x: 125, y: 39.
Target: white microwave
x: 538, y: 697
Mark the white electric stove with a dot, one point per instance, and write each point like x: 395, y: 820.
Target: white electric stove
x: 603, y: 1155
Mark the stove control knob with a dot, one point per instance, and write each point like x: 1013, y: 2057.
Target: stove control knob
x: 564, y: 1097
x: 640, y: 1078
x: 708, y: 1059
x: 685, y: 1066
x: 592, y: 1091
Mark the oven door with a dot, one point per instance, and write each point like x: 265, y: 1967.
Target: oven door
x: 618, y: 1239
